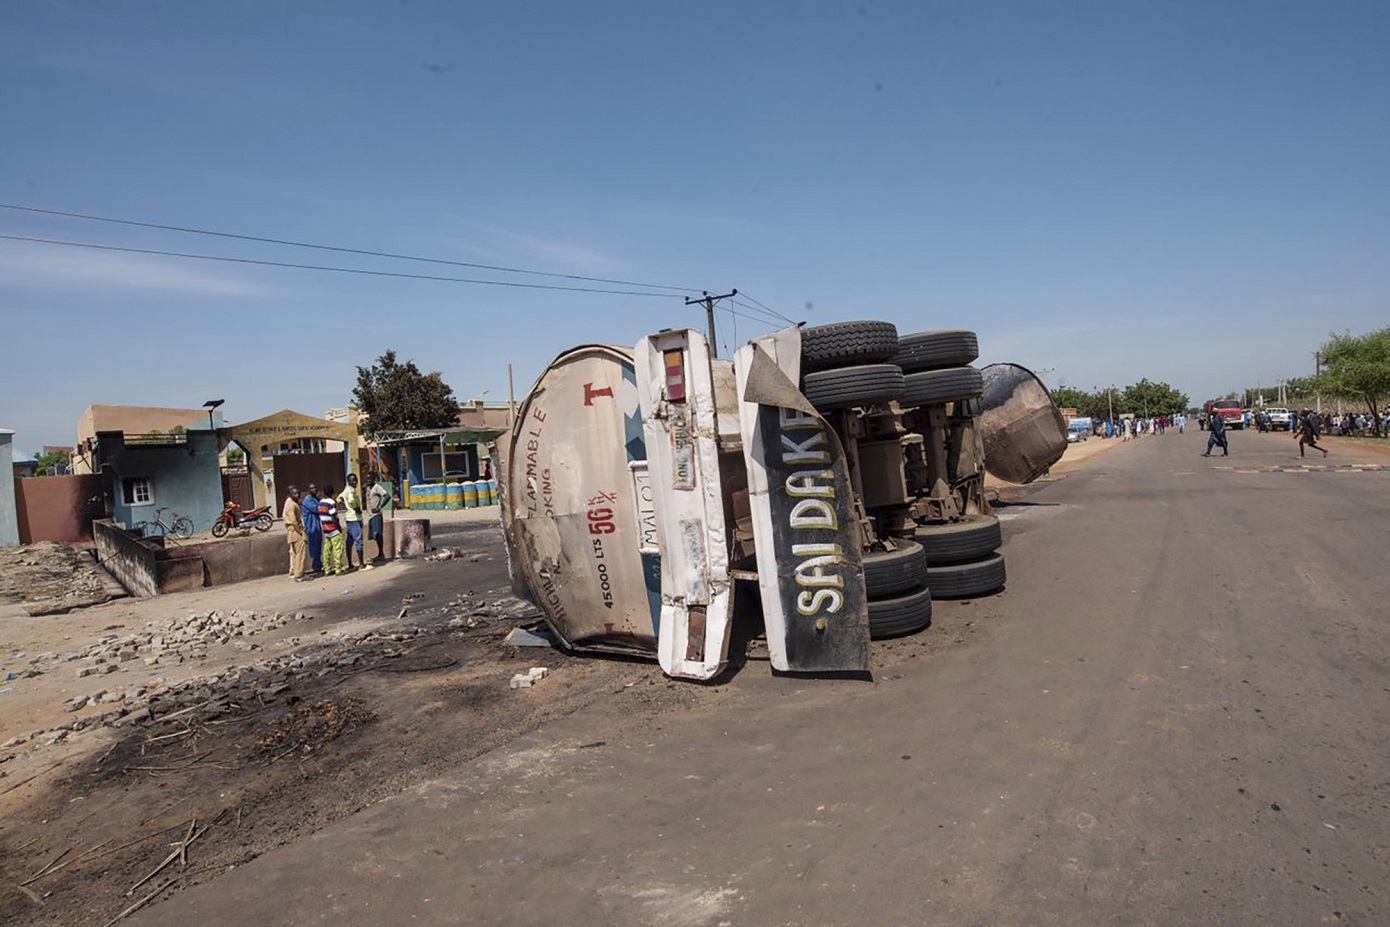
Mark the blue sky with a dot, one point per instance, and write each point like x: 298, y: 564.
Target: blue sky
x: 1191, y: 192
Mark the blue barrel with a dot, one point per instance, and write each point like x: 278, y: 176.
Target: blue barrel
x: 491, y: 492
x: 470, y: 494
x: 454, y: 495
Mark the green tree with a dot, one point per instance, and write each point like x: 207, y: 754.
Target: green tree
x: 392, y: 396
x: 1357, y: 368
x: 1149, y: 399
x: 48, y: 460
x: 1069, y: 397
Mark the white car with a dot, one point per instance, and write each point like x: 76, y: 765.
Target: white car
x: 1279, y: 419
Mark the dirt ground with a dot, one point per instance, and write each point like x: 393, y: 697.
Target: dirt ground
x: 149, y: 744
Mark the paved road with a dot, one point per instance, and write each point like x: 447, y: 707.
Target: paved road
x: 1177, y: 714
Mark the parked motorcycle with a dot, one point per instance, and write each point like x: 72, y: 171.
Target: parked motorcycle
x: 233, y: 517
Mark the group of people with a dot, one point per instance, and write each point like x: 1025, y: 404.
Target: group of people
x: 1306, y: 426
x: 325, y: 529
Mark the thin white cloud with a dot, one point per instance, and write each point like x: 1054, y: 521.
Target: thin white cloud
x: 534, y: 252
x: 53, y: 268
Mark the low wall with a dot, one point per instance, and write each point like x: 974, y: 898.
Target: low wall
x: 239, y: 559
x: 133, y: 561
x: 146, y: 567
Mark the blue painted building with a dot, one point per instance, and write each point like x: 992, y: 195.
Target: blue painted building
x: 144, y: 473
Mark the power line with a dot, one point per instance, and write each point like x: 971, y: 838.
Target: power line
x: 342, y: 250
x: 337, y: 270
x: 779, y: 315
x: 771, y: 318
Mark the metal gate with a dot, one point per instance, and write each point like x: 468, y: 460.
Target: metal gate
x: 302, y: 469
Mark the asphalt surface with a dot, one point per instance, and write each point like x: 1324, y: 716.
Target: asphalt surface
x: 1179, y: 715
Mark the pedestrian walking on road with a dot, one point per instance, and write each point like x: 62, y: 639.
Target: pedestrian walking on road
x: 1218, y: 436
x: 313, y: 528
x: 1308, y: 433
x: 332, y: 534
x: 298, y: 538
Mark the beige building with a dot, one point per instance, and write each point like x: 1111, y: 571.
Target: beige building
x: 133, y: 421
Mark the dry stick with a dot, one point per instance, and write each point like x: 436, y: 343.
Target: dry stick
x: 153, y: 740
x: 53, y: 862
x: 180, y: 849
x: 75, y: 859
x: 32, y: 778
x: 158, y: 833
x: 189, y: 765
x: 141, y: 903
x: 29, y: 892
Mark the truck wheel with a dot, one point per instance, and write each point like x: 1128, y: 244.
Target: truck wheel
x: 900, y: 615
x: 845, y: 344
x: 888, y: 572
x: 934, y: 350
x: 928, y: 387
x: 975, y: 537
x: 853, y: 386
x: 966, y: 580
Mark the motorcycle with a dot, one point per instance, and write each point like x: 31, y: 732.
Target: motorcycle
x: 233, y: 517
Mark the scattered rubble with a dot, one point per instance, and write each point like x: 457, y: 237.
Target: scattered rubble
x: 529, y: 678
x: 48, y: 578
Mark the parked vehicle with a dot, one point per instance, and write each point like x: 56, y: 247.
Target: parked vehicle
x: 1279, y: 419
x: 233, y: 517
x: 831, y: 479
x: 1079, y: 429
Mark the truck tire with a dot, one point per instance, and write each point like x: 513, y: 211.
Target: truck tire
x: 934, y: 350
x: 846, y: 344
x: 971, y: 539
x: 889, y: 572
x: 900, y: 615
x: 966, y: 580
x: 951, y: 384
x: 853, y: 386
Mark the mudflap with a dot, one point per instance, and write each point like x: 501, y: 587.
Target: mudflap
x: 810, y: 574
x: 677, y: 397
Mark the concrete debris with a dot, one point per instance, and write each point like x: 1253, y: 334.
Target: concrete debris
x: 529, y: 678
x: 530, y: 637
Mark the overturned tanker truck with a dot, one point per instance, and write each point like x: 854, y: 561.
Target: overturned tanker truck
x: 827, y: 482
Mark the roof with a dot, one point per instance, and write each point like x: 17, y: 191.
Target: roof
x: 450, y: 436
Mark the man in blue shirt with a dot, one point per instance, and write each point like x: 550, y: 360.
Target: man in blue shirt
x: 312, y: 527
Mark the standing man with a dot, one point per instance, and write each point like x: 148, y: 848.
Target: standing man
x: 1308, y: 432
x: 313, y: 529
x: 1217, y: 427
x: 350, y: 508
x: 332, y: 534
x: 293, y: 518
x: 377, y: 497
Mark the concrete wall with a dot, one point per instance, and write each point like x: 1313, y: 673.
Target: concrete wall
x: 58, y: 508
x: 9, y: 516
x: 148, y: 566
x: 185, y: 477
x: 241, y: 558
x: 127, y: 558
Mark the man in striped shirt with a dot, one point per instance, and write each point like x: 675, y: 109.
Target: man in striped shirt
x: 333, y: 542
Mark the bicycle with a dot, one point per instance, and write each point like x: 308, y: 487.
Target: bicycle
x: 179, y: 526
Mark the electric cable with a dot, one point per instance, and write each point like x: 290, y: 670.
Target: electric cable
x: 342, y: 250
x: 337, y: 270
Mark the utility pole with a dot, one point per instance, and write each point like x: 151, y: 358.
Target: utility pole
x: 708, y: 302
